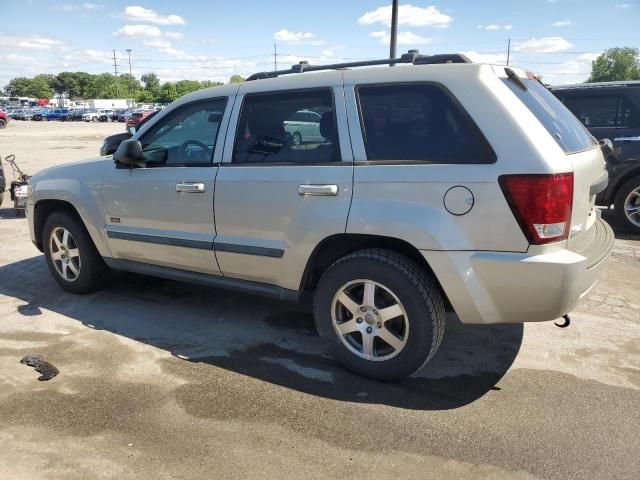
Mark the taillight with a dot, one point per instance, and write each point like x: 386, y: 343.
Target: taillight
x: 541, y: 204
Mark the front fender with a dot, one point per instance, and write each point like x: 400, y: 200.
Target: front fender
x: 79, y: 185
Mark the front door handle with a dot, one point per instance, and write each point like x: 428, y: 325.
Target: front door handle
x: 318, y: 190
x: 190, y: 187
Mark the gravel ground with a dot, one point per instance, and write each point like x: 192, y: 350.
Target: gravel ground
x: 161, y: 379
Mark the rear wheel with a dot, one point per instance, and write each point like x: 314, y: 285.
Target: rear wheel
x: 627, y: 204
x: 381, y: 315
x: 71, y: 255
x: 3, y: 123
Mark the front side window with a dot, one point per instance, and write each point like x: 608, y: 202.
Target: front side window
x: 418, y: 122
x: 296, y: 127
x: 187, y: 136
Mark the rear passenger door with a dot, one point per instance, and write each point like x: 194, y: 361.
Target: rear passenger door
x: 276, y: 201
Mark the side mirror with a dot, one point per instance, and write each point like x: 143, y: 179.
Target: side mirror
x: 131, y: 130
x: 129, y: 153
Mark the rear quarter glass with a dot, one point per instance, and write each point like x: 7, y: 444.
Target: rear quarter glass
x: 568, y: 132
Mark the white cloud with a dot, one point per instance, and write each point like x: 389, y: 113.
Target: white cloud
x: 141, y: 14
x: 571, y: 71
x: 494, y: 26
x: 157, y: 42
x: 492, y: 58
x: 561, y: 23
x: 404, y: 38
x: 138, y: 31
x: 28, y: 42
x: 73, y: 7
x: 174, y: 35
x: 297, y: 38
x: 543, y: 45
x: 625, y: 5
x: 407, y: 15
x: 327, y: 53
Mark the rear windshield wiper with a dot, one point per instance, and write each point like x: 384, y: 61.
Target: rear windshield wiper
x: 513, y: 76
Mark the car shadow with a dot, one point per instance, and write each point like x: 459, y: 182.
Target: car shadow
x: 272, y: 341
x: 9, y: 214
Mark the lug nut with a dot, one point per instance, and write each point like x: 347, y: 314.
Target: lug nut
x: 375, y: 311
x: 358, y: 320
x: 379, y: 325
x: 369, y: 329
x: 363, y: 309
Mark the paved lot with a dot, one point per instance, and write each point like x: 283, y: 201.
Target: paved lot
x: 167, y: 380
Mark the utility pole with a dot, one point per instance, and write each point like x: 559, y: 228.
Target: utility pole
x: 115, y: 72
x: 508, y: 51
x: 394, y: 29
x: 275, y: 57
x: 130, y: 75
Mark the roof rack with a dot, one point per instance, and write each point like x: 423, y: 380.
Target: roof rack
x: 412, y: 56
x: 616, y: 83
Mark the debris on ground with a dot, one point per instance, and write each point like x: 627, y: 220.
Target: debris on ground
x: 46, y: 369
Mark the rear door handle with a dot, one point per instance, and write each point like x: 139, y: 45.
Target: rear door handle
x: 318, y: 190
x: 190, y: 187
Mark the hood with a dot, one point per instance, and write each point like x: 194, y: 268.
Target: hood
x: 86, y: 170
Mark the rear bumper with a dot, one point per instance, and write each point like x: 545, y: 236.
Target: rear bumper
x: 496, y: 287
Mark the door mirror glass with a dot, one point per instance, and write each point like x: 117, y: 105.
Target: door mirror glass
x: 129, y: 153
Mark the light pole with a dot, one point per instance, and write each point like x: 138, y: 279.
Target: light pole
x: 130, y: 76
x: 394, y: 29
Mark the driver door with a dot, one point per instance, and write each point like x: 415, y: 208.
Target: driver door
x: 162, y: 213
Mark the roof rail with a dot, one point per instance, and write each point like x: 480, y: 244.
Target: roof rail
x: 412, y: 56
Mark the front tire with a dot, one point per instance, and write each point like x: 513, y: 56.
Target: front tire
x: 627, y: 204
x: 71, y: 256
x: 381, y: 315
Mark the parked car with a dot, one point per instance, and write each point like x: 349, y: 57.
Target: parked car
x: 39, y: 116
x: 107, y: 116
x: 304, y: 126
x: 611, y: 110
x: 4, y: 119
x: 137, y: 117
x: 56, y: 114
x: 91, y: 116
x: 435, y: 184
x: 112, y: 142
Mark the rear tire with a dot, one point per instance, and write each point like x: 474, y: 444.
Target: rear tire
x: 627, y: 204
x: 72, y: 258
x: 3, y: 123
x: 404, y: 302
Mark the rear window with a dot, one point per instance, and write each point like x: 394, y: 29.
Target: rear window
x: 563, y: 126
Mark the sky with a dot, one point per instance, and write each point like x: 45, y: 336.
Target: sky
x: 198, y: 40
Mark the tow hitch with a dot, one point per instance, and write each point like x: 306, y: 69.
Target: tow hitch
x: 567, y: 322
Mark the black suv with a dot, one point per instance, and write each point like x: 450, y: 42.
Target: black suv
x: 612, y: 110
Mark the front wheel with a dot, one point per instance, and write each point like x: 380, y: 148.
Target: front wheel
x: 627, y: 204
x: 71, y: 256
x: 381, y: 315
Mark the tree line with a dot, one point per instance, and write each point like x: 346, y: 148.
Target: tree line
x: 82, y: 85
x: 615, y: 64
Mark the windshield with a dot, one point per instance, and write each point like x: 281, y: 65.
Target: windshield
x: 563, y: 126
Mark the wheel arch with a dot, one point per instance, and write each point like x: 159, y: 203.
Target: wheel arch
x: 337, y: 246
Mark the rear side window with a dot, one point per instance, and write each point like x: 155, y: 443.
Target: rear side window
x: 418, y: 123
x: 561, y: 124
x: 294, y: 127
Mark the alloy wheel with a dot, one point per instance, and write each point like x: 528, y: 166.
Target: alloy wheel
x: 370, y: 320
x: 65, y: 254
x: 632, y: 206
